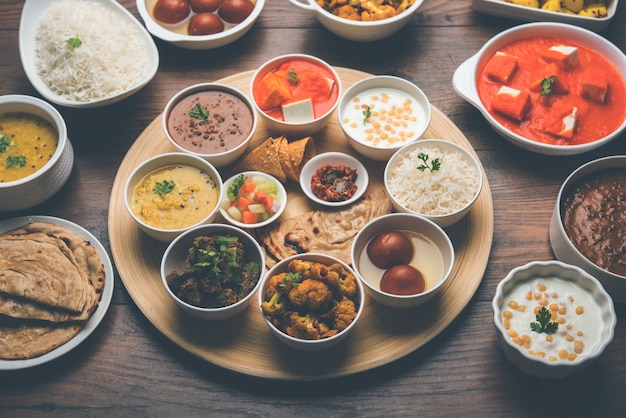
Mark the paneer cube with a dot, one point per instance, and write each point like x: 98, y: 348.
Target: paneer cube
x: 595, y: 84
x: 561, y: 121
x: 511, y: 102
x: 298, y: 112
x: 564, y: 54
x: 501, y: 67
x: 554, y: 85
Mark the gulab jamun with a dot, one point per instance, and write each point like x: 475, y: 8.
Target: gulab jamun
x: 389, y: 249
x: 403, y: 279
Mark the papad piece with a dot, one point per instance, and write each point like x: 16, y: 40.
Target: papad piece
x: 263, y: 158
x: 301, y: 151
x: 322, y: 231
x: 285, y: 161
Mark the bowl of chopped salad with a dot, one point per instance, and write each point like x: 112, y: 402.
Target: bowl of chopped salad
x: 252, y: 199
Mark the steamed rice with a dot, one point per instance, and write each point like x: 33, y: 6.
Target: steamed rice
x: 110, y: 60
x: 436, y: 193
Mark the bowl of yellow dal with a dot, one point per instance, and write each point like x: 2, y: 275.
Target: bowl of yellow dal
x: 36, y: 156
x: 171, y: 193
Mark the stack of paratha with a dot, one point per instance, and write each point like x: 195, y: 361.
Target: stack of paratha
x: 51, y: 282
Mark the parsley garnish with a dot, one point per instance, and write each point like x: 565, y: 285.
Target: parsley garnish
x: 543, y: 323
x: 74, y: 43
x: 293, y: 76
x: 233, y: 189
x: 5, y: 143
x: 546, y: 83
x: 367, y: 114
x: 164, y: 187
x: 14, y: 161
x: 434, y: 166
x: 199, y: 112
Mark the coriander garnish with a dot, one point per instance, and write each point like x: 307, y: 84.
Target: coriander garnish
x: 546, y: 83
x: 367, y: 114
x: 199, y: 112
x: 74, y: 42
x: 164, y: 187
x: 434, y: 166
x: 233, y: 190
x: 15, y: 161
x: 543, y: 323
x: 5, y: 143
x: 293, y: 76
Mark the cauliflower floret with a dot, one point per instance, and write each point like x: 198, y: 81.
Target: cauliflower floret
x: 311, y: 294
x: 345, y: 312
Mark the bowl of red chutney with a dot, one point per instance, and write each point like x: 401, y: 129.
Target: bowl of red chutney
x: 550, y: 88
x: 211, y: 120
x: 588, y: 226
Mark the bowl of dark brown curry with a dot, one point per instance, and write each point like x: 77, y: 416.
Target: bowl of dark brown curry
x: 588, y: 226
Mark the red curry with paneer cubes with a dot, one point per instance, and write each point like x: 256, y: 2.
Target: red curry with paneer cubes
x: 553, y: 91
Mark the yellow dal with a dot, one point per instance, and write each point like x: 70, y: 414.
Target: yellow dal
x: 29, y: 136
x: 192, y: 198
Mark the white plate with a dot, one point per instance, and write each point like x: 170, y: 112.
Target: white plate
x: 98, y: 314
x: 529, y: 14
x: 31, y: 14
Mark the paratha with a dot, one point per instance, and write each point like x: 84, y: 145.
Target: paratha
x: 323, y: 231
x: 51, y: 282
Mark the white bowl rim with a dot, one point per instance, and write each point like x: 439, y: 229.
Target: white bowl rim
x: 165, y: 34
x: 421, y: 98
x: 474, y: 162
x: 499, y: 294
x: 447, y: 273
x: 205, y: 87
x: 281, y: 192
x: 471, y: 65
x: 58, y: 123
x: 196, y: 231
x: 34, y: 9
x: 406, y: 14
x: 362, y: 173
x: 211, y: 170
x: 581, y: 172
x: 272, y: 63
x: 305, y: 256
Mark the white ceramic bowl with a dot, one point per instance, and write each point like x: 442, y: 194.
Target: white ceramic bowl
x: 165, y: 160
x: 358, y: 30
x: 47, y: 181
x: 294, y: 130
x: 34, y: 10
x: 530, y: 14
x: 304, y: 344
x: 333, y: 159
x: 562, y: 246
x: 466, y: 75
x: 176, y: 34
x: 599, y: 316
x: 218, y: 159
x: 435, y: 260
x: 278, y: 208
x: 177, y: 252
x: 399, y: 168
x: 352, y: 118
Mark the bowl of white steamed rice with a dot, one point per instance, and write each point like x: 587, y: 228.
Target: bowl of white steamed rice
x: 435, y: 178
x: 85, y: 53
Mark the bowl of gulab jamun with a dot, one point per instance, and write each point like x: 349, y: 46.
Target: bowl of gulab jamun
x: 402, y: 259
x: 199, y: 24
x: 588, y: 226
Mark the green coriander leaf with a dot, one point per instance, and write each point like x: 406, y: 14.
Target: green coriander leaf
x: 74, y: 43
x: 546, y: 83
x: 5, y: 143
x: 367, y: 114
x: 434, y: 165
x: 292, y: 75
x: 543, y: 323
x: 199, y: 112
x: 164, y: 187
x: 15, y: 161
x: 233, y: 188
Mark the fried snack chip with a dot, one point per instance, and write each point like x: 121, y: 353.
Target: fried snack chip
x: 300, y: 152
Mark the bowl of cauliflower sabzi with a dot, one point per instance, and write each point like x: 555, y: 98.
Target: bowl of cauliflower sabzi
x: 311, y: 301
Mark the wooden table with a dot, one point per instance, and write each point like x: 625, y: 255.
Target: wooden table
x: 128, y: 368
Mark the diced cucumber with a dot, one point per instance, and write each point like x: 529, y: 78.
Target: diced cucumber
x: 235, y: 213
x: 256, y: 208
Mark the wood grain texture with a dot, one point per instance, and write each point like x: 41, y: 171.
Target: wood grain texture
x: 245, y: 344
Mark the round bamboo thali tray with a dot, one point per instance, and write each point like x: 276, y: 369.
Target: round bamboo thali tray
x: 244, y: 344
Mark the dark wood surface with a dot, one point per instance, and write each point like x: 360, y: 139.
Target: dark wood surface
x: 127, y: 368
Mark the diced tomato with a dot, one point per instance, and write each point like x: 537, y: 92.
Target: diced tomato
x: 267, y: 202
x: 243, y: 203
x: 249, y: 217
x: 248, y: 187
